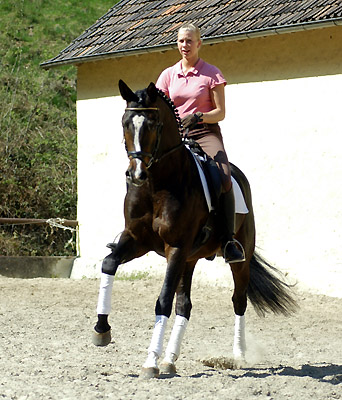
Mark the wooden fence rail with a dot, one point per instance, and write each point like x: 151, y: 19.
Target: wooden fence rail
x: 50, y: 221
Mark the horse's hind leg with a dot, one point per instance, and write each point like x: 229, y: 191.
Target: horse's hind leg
x: 124, y: 251
x: 183, y: 310
x: 241, y: 279
x: 245, y: 235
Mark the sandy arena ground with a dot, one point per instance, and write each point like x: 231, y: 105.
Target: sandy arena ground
x: 46, y: 351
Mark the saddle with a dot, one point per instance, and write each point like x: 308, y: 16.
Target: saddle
x: 210, y: 170
x: 212, y: 187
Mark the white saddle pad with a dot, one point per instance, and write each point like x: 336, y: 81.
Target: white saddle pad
x: 240, y: 204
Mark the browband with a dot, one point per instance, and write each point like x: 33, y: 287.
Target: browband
x: 142, y: 109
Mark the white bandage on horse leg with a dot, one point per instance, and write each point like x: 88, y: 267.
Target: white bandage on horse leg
x: 239, y: 348
x: 105, y: 294
x: 156, y: 346
x: 177, y: 334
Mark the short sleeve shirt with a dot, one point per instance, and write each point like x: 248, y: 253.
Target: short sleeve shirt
x: 190, y: 92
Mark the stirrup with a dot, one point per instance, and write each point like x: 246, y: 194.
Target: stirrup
x: 242, y: 250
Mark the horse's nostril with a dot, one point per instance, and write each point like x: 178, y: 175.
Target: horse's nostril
x: 128, y: 175
x: 143, y: 175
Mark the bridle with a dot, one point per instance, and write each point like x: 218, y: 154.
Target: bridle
x: 152, y: 156
x: 141, y: 154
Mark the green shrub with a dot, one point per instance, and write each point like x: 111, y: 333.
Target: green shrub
x: 38, y: 138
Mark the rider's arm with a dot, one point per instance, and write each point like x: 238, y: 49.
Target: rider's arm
x: 218, y: 112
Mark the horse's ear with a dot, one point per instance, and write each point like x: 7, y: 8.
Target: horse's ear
x: 152, y: 92
x: 126, y: 93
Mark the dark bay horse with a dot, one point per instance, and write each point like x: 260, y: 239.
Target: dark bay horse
x: 166, y: 212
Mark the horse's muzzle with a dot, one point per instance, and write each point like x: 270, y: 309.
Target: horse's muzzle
x: 136, y: 176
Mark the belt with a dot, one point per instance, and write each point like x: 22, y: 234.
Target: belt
x: 203, y: 125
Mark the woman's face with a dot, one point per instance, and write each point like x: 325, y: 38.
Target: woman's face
x: 188, y: 44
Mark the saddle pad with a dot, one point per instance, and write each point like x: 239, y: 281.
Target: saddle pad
x: 240, y: 204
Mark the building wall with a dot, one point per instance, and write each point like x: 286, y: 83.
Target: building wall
x: 282, y: 129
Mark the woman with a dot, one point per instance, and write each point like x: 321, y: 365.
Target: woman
x: 197, y: 90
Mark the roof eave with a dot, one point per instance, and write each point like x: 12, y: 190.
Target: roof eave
x: 114, y: 54
x: 211, y: 40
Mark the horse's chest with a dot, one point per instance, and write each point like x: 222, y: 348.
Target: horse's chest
x: 166, y: 212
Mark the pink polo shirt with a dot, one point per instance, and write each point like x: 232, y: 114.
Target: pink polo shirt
x: 191, y: 92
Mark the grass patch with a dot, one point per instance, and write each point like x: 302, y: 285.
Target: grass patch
x: 133, y: 276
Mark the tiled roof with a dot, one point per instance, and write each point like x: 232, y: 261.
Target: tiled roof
x: 138, y: 26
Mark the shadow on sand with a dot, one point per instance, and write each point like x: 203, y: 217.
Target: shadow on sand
x: 329, y: 373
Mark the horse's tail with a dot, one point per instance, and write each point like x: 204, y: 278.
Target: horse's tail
x: 266, y: 291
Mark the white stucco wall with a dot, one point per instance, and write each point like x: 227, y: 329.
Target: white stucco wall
x: 285, y: 135
x: 101, y: 177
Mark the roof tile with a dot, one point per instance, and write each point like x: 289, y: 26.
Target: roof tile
x: 133, y: 25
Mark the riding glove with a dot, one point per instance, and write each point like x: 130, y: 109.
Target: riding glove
x: 191, y: 120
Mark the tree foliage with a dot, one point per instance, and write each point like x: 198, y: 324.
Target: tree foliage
x: 38, y: 138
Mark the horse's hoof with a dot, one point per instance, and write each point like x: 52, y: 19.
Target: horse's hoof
x: 239, y: 361
x: 149, y: 373
x: 168, y: 368
x: 101, y: 339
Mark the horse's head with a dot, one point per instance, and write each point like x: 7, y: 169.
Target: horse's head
x: 142, y: 130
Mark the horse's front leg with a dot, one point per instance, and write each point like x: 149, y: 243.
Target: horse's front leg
x: 102, y: 330
x: 175, y: 268
x: 183, y: 310
x: 124, y: 251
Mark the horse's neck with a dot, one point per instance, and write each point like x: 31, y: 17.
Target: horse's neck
x: 173, y: 159
x: 171, y: 172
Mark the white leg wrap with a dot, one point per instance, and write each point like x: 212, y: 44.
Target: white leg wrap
x: 105, y: 294
x: 177, y: 334
x: 156, y: 346
x: 151, y: 360
x: 239, y: 348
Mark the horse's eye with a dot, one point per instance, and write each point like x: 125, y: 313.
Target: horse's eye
x: 151, y: 124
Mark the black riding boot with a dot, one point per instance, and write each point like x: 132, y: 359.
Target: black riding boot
x: 230, y: 252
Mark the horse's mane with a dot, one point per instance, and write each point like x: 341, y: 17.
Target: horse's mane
x: 143, y: 99
x: 172, y: 107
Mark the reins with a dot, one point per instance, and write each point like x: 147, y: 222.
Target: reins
x: 140, y: 154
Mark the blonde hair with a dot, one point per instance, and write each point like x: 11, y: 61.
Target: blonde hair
x: 192, y: 28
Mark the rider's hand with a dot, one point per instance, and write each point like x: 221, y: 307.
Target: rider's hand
x: 191, y: 120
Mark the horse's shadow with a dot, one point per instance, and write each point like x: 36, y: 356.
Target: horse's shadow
x: 329, y: 373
